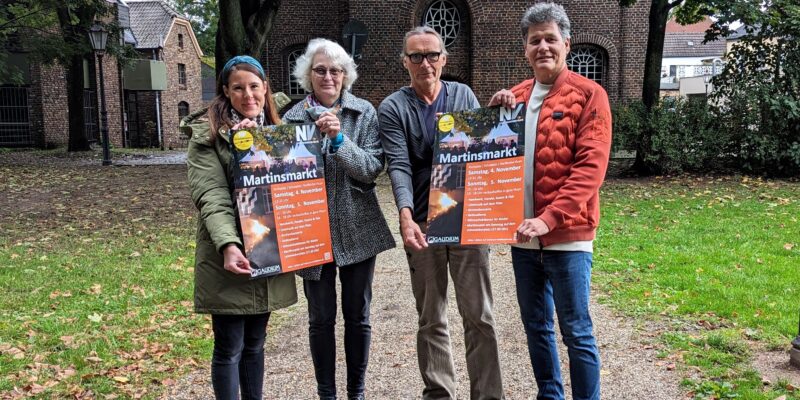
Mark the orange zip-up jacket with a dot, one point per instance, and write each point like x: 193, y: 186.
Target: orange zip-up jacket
x: 573, y: 142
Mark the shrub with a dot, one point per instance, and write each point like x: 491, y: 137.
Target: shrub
x: 684, y: 135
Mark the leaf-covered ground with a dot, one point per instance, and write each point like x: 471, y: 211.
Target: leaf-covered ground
x: 95, y: 269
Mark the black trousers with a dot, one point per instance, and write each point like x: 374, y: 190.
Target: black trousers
x: 238, y: 359
x: 356, y: 280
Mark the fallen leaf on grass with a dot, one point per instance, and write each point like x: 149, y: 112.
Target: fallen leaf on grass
x: 94, y: 359
x: 122, y: 379
x: 788, y: 246
x: 15, y: 353
x: 33, y: 388
x: 59, y: 293
x: 95, y: 289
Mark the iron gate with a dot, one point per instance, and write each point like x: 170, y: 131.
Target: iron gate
x: 15, y: 123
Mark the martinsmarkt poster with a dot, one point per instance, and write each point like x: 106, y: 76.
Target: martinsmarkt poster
x: 280, y: 195
x: 477, y: 178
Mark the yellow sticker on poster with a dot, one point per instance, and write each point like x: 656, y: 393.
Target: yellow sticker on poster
x: 446, y: 123
x: 243, y: 140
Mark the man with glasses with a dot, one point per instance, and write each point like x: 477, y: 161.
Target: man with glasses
x: 407, y: 120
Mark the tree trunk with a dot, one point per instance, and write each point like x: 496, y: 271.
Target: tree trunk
x: 243, y: 28
x: 651, y: 86
x: 75, y: 35
x: 77, y: 129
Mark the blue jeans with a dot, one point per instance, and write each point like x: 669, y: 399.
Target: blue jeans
x: 238, y: 358
x: 558, y: 278
x: 356, y: 282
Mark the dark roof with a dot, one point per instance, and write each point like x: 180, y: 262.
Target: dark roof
x: 691, y: 45
x: 151, y: 21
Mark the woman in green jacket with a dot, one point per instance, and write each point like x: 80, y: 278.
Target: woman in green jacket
x: 239, y: 307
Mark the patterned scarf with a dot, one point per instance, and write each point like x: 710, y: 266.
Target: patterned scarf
x: 314, y: 108
x: 235, y: 118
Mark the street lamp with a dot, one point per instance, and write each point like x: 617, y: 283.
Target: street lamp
x: 98, y: 35
x: 706, y: 79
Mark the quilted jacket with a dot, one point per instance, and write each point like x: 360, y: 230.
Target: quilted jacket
x: 573, y: 142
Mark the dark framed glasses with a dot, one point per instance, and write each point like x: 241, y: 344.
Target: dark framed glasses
x: 416, y: 58
x: 322, y: 71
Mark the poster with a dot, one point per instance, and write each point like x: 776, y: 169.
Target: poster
x: 282, y: 205
x: 477, y: 178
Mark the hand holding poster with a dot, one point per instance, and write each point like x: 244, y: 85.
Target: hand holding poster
x: 477, y: 179
x: 279, y: 188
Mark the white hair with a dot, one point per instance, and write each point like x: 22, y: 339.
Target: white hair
x: 339, y: 57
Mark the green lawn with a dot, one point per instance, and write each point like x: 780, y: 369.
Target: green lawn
x: 715, y: 262
x: 96, y: 272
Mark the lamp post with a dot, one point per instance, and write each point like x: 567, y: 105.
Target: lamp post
x: 706, y: 79
x: 98, y: 35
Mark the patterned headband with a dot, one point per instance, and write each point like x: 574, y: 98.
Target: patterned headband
x: 242, y: 60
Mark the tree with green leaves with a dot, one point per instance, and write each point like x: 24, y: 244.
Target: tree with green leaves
x: 758, y: 91
x: 204, y: 16
x: 686, y: 12
x: 658, y: 17
x: 56, y: 31
x: 757, y: 94
x: 244, y: 27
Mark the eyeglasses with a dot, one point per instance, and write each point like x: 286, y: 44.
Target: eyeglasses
x: 322, y: 71
x: 416, y: 58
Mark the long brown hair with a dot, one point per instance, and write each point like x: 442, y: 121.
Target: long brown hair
x: 219, y: 112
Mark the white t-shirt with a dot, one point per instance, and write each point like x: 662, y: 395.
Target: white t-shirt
x: 540, y: 91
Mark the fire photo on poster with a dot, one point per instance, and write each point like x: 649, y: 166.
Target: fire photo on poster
x: 476, y: 192
x: 281, y: 202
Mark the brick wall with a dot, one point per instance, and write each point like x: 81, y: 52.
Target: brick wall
x: 53, y: 115
x: 111, y: 81
x: 191, y: 93
x: 489, y: 53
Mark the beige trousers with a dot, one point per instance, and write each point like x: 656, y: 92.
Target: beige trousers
x: 469, y: 269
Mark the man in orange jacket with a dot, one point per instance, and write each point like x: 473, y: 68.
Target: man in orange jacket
x: 567, y: 144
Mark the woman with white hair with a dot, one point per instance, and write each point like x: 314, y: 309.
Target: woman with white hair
x: 353, y: 159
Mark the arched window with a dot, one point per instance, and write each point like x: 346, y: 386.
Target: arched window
x: 443, y: 16
x: 291, y: 60
x: 588, y: 61
x: 183, y: 110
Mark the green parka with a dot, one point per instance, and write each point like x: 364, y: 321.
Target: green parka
x: 217, y: 291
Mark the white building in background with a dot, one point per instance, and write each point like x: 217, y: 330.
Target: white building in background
x: 687, y: 64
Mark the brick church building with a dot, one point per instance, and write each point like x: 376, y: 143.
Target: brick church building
x: 482, y: 36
